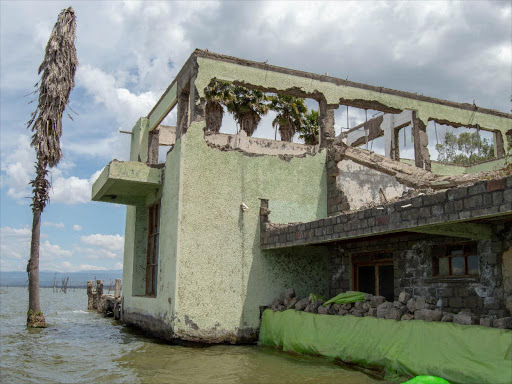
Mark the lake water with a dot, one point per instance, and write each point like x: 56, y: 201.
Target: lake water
x: 84, y: 347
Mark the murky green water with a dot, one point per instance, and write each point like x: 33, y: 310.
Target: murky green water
x: 83, y: 347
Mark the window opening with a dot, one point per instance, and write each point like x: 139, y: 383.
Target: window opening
x: 455, y: 260
x: 152, y: 252
x: 232, y: 107
x: 460, y: 146
x: 373, y: 273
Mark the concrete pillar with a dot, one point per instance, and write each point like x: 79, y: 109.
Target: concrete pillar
x: 97, y: 294
x: 388, y: 126
x: 90, y: 294
x: 183, y: 113
x: 499, y: 145
x: 421, y: 154
x: 99, y: 287
x: 326, y: 123
x: 117, y: 291
x: 197, y: 109
x: 153, y: 143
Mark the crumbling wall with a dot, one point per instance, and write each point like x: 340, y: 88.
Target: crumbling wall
x: 258, y: 146
x: 361, y: 185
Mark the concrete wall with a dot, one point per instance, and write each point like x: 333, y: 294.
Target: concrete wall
x: 222, y: 275
x: 361, y: 185
x: 152, y: 313
x: 212, y: 275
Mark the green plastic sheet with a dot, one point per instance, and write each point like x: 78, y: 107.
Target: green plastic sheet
x: 427, y: 380
x: 346, y: 298
x: 465, y: 354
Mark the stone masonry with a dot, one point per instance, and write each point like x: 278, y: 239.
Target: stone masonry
x: 484, y: 199
x: 412, y: 260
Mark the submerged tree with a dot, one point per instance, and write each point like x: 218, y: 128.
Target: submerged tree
x: 309, y: 129
x: 57, y: 73
x: 465, y: 149
x: 290, y: 115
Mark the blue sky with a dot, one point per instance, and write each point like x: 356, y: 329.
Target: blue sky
x: 129, y: 52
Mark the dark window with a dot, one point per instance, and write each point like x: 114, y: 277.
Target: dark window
x: 374, y: 273
x: 152, y: 255
x: 455, y: 260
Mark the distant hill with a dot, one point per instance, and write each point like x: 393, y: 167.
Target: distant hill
x: 76, y: 279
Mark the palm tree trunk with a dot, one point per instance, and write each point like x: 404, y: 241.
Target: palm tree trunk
x: 35, y: 317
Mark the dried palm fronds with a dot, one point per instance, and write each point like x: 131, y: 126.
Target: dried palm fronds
x: 57, y: 80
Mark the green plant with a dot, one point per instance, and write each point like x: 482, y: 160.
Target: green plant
x: 247, y: 106
x: 309, y: 130
x: 290, y: 115
x: 217, y: 93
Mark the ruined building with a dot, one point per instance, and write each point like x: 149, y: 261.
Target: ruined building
x: 227, y: 221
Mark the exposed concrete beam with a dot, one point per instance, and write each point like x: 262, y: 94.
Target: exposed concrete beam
x: 406, y: 174
x: 465, y: 230
x: 385, y: 125
x: 372, y: 128
x: 163, y: 106
x: 167, y: 135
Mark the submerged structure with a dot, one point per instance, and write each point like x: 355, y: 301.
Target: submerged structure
x: 226, y: 222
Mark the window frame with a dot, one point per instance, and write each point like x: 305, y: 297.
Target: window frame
x: 372, y: 261
x: 153, y: 248
x: 469, y: 249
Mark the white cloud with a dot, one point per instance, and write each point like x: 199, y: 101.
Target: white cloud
x: 110, y: 242
x: 54, y: 225
x: 72, y: 190
x: 18, y: 169
x: 88, y: 267
x: 124, y: 105
x: 77, y: 227
x: 15, y: 252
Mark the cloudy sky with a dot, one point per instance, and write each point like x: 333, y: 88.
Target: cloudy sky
x: 129, y: 52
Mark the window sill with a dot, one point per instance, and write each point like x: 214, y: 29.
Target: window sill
x: 145, y: 296
x: 453, y: 279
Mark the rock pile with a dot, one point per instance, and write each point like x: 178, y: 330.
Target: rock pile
x: 405, y: 308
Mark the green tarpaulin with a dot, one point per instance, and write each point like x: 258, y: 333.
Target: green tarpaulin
x: 427, y: 380
x: 462, y: 354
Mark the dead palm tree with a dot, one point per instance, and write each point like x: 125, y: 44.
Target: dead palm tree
x: 57, y: 80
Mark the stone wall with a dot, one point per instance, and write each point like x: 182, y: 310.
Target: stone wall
x: 412, y: 259
x: 456, y: 205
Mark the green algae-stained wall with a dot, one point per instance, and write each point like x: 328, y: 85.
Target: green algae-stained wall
x: 223, y: 277
x: 162, y: 306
